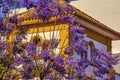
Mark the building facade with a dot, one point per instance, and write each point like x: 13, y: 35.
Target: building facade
x: 99, y: 34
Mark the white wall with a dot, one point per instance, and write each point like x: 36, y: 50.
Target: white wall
x: 105, y: 11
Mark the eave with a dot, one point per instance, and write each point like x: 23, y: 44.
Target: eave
x: 81, y: 18
x: 95, y: 25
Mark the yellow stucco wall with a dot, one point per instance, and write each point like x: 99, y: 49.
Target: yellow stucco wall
x: 61, y: 33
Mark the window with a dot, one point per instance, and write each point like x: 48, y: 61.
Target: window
x: 90, y: 47
x: 37, y: 41
x: 97, y: 44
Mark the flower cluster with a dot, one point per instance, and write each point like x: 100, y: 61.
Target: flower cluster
x: 2, y: 46
x: 45, y: 64
x: 45, y: 55
x: 31, y: 49
x: 77, y: 42
x: 58, y: 61
x: 81, y: 46
x: 51, y: 44
x: 103, y: 61
x: 5, y: 29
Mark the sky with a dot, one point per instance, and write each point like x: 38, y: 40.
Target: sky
x: 105, y: 11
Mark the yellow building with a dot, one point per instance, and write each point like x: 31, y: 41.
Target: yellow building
x: 98, y: 33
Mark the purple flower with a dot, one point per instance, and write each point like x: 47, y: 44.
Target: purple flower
x: 76, y: 29
x: 3, y: 55
x: 81, y: 46
x: 96, y: 73
x: 9, y: 29
x: 66, y: 19
x: 51, y: 44
x: 12, y: 66
x: 35, y: 15
x: 67, y: 0
x: 20, y: 37
x: 1, y: 21
x: 1, y: 1
x: 83, y: 62
x: 30, y: 4
x: 51, y: 77
x: 77, y: 37
x: 31, y: 49
x: 3, y: 30
x: 68, y: 9
x: 58, y: 60
x: 60, y: 69
x: 103, y: 70
x: 2, y: 46
x: 17, y: 48
x: 45, y: 55
x: 26, y: 75
x: 21, y: 19
x: 5, y: 9
x: 67, y: 51
x: 70, y: 62
x: 25, y: 61
x: 54, y: 43
x: 13, y: 19
x: 17, y: 3
x: 30, y: 66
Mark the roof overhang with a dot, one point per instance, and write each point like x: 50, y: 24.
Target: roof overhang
x: 83, y: 19
x: 103, y: 31
x: 95, y: 25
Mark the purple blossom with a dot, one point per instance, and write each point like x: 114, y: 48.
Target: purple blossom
x: 51, y: 77
x: 96, y: 72
x: 20, y: 37
x: 5, y: 9
x: 83, y: 62
x: 70, y: 62
x: 60, y: 69
x: 54, y: 43
x: 101, y: 58
x: 81, y: 46
x: 17, y: 48
x: 103, y: 70
x: 30, y: 66
x: 29, y: 4
x: 35, y: 15
x: 77, y: 37
x: 51, y: 44
x: 66, y: 19
x: 1, y: 1
x: 26, y: 75
x: 2, y: 46
x: 9, y: 29
x: 45, y: 55
x: 67, y: 0
x: 45, y: 9
x: 3, y: 30
x: 3, y: 55
x: 12, y: 66
x: 58, y: 61
x: 13, y: 19
x: 68, y: 9
x: 76, y: 29
x: 23, y: 60
x: 68, y: 51
x: 17, y: 3
x: 21, y: 19
x: 31, y: 49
